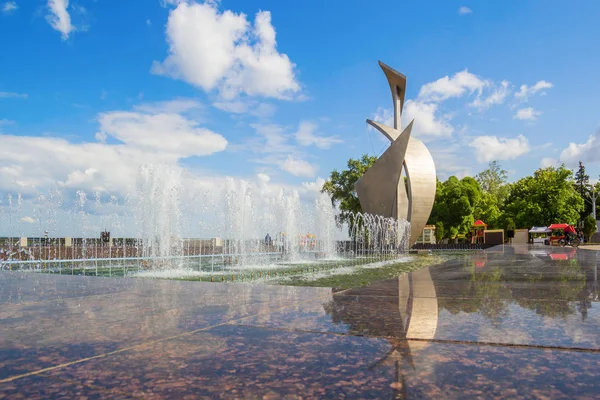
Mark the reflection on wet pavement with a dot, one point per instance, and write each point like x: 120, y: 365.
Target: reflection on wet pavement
x: 516, y: 321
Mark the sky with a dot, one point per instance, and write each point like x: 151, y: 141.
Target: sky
x: 277, y: 92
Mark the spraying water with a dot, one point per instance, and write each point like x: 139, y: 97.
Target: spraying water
x: 169, y: 223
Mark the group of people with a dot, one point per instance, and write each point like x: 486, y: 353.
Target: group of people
x: 571, y: 233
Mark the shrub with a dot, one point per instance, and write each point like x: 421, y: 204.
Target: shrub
x: 589, y: 226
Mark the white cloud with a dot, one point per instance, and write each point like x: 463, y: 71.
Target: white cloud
x: 455, y: 86
x: 298, y: 167
x: 59, y: 17
x: 235, y: 107
x: 464, y: 10
x: 527, y: 114
x: 549, y: 162
x: 12, y: 95
x: 588, y: 152
x: 427, y: 123
x: 525, y: 91
x: 489, y: 148
x: 497, y: 96
x: 263, y: 177
x: 152, y: 136
x: 314, y: 186
x: 28, y: 220
x: 101, y: 137
x: 306, y: 136
x: 384, y: 116
x: 169, y: 133
x: 9, y: 6
x: 222, y: 51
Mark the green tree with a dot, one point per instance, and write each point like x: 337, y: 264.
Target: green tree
x: 340, y: 187
x: 547, y: 197
x: 439, y: 231
x: 487, y: 210
x: 509, y: 224
x: 582, y: 180
x: 454, y: 205
x: 493, y: 180
x: 583, y: 187
x: 589, y: 226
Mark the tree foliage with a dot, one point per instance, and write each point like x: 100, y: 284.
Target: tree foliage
x: 583, y: 187
x: 455, y: 203
x: 340, y: 187
x: 550, y: 195
x: 589, y: 226
x: 439, y: 231
x: 582, y: 180
x: 493, y: 181
x: 547, y: 197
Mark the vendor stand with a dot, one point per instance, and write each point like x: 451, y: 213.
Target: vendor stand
x: 539, y: 235
x: 557, y: 232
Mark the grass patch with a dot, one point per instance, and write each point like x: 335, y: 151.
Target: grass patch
x: 346, y: 278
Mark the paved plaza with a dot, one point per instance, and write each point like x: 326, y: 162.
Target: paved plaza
x: 505, y: 322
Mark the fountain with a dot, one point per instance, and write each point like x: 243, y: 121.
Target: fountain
x: 171, y: 226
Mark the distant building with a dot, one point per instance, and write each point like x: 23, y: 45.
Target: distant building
x: 427, y: 236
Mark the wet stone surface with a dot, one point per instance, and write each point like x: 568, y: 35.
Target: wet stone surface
x: 505, y: 322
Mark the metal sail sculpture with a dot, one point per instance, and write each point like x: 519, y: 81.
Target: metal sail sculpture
x: 381, y: 190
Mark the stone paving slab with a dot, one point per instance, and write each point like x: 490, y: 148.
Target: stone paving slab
x: 512, y: 321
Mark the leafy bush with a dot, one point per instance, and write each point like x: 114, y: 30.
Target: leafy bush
x: 589, y: 226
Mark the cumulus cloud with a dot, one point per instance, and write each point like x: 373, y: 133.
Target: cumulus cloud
x: 28, y: 220
x: 59, y: 17
x: 549, y: 162
x: 222, y: 51
x: 497, y: 96
x: 527, y: 91
x: 314, y: 186
x: 527, y: 114
x: 298, y: 167
x: 307, y: 136
x: 587, y: 152
x: 428, y: 122
x: 152, y: 136
x: 9, y: 6
x: 263, y: 177
x: 464, y: 10
x: 444, y: 88
x: 170, y: 133
x: 489, y: 148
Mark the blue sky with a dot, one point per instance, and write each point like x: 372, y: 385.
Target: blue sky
x: 278, y: 91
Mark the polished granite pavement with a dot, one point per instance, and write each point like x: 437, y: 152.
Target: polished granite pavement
x: 506, y: 322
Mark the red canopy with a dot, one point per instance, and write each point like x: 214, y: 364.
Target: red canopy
x: 479, y: 223
x: 558, y: 226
